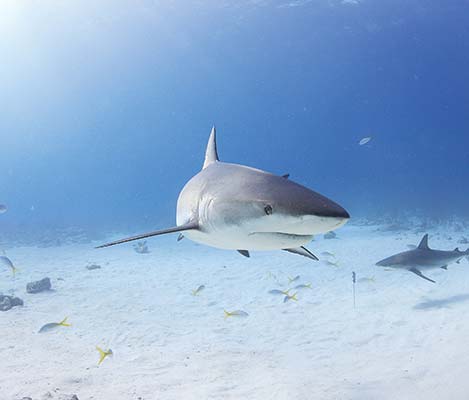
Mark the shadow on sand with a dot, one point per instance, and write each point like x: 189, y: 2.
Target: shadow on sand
x: 442, y: 303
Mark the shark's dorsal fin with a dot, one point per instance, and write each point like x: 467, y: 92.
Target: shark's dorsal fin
x: 211, y: 154
x: 424, y: 243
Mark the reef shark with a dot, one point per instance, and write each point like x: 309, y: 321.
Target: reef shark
x: 423, y: 258
x: 231, y: 206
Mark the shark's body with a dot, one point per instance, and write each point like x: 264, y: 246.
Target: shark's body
x: 231, y: 206
x: 423, y: 258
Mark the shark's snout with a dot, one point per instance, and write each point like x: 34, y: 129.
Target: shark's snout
x: 325, y: 214
x: 332, y: 210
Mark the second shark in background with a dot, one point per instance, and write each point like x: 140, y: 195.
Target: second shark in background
x: 423, y: 258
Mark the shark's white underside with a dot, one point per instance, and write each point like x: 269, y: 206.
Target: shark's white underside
x: 258, y: 236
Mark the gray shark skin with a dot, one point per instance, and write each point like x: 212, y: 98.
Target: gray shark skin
x: 235, y: 207
x: 423, y: 258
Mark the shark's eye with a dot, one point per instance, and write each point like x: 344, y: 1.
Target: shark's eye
x: 268, y: 209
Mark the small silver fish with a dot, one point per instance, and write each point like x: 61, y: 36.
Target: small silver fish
x: 290, y: 280
x: 332, y: 263
x: 3, y: 208
x: 327, y: 254
x: 198, y: 290
x: 141, y: 247
x: 364, y: 141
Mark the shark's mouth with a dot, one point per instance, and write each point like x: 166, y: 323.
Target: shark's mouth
x: 277, y: 240
x: 282, y: 235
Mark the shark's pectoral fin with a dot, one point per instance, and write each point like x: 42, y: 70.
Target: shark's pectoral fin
x: 185, y: 227
x: 302, y: 251
x: 245, y: 253
x: 180, y: 237
x: 445, y: 267
x: 417, y: 272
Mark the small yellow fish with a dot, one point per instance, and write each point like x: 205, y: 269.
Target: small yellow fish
x: 278, y: 291
x: 7, y: 263
x: 367, y: 279
x: 53, y: 325
x: 304, y: 286
x: 235, y: 313
x: 290, y: 297
x: 198, y: 290
x: 290, y: 279
x: 103, y: 354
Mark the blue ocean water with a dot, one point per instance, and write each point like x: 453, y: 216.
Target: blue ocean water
x: 106, y: 108
x: 105, y: 112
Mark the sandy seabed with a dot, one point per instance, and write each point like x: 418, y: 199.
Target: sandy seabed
x: 405, y: 339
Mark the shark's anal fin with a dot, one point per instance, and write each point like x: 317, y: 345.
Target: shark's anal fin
x: 245, y: 253
x: 445, y: 267
x: 417, y: 272
x: 302, y: 251
x: 185, y: 227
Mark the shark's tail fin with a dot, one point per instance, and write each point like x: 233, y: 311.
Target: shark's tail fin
x: 64, y: 322
x: 103, y: 354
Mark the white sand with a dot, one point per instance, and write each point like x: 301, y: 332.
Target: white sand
x: 407, y: 338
